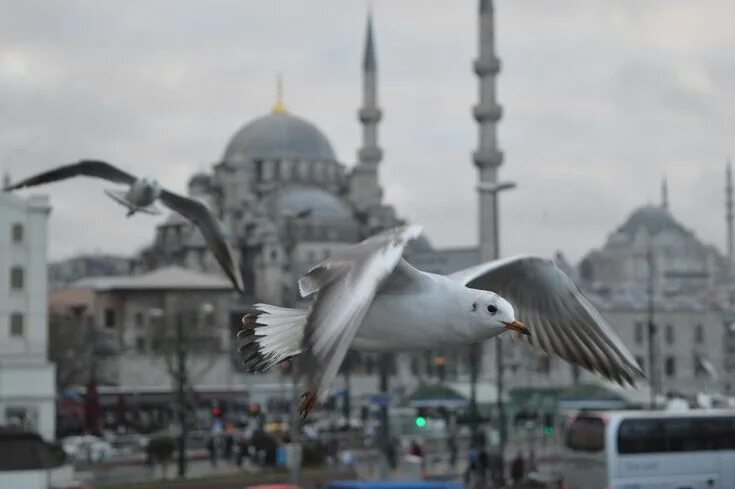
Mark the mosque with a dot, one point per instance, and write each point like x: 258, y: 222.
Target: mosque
x: 287, y: 202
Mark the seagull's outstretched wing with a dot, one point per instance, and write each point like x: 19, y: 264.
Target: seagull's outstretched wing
x: 202, y: 218
x: 562, y: 320
x: 88, y: 168
x: 345, y: 286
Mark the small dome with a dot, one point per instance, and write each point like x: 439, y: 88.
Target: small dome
x: 278, y: 135
x: 652, y: 218
x: 293, y: 199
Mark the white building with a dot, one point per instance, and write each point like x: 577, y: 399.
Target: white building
x: 27, y: 386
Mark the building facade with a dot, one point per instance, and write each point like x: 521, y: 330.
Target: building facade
x: 27, y: 388
x: 131, y: 323
x: 651, y: 235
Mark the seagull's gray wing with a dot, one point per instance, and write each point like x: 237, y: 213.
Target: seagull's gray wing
x: 197, y: 213
x: 344, y: 286
x: 88, y: 168
x: 561, y: 319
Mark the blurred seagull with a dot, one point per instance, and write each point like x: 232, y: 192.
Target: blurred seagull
x: 367, y: 297
x: 140, y: 197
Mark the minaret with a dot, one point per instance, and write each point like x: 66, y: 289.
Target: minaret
x: 365, y: 188
x: 487, y: 113
x: 729, y: 218
x: 664, y: 194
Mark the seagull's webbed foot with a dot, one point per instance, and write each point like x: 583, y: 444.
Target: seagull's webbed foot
x: 308, y: 400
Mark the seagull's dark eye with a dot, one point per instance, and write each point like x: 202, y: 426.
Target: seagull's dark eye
x: 492, y: 309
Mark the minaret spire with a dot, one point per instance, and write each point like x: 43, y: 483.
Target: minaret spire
x: 365, y: 188
x: 729, y: 216
x: 664, y: 194
x: 280, y: 107
x: 487, y: 113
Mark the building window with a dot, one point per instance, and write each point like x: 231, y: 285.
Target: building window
x: 139, y: 319
x: 414, y: 365
x: 16, y: 278
x: 17, y: 233
x: 639, y: 333
x: 670, y: 366
x: 670, y: 334
x: 16, y: 324
x: 109, y: 318
x: 699, y: 334
x: 140, y: 344
x: 699, y: 370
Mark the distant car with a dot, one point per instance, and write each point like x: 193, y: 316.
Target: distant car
x: 87, y: 448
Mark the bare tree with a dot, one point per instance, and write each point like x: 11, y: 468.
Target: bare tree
x: 76, y: 347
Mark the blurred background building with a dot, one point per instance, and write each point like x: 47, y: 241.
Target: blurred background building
x: 27, y: 387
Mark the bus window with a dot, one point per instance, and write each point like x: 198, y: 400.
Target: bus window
x: 675, y: 435
x: 586, y: 435
x: 682, y: 435
x: 641, y: 436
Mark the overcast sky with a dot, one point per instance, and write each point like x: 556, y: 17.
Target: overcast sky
x: 601, y: 100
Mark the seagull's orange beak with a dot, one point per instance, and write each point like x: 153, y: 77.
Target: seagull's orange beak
x: 518, y: 326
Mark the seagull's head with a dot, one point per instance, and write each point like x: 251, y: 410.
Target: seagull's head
x: 497, y: 313
x: 151, y: 186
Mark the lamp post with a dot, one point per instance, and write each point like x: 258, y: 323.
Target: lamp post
x: 494, y: 189
x: 181, y: 376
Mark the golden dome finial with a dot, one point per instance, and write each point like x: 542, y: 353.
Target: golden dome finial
x: 280, y: 107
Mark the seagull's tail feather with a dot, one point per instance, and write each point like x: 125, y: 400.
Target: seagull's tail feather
x: 121, y: 198
x: 271, y: 335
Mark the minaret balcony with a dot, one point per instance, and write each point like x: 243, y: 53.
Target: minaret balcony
x: 487, y: 158
x: 371, y: 154
x: 487, y: 66
x: 369, y: 114
x: 484, y: 113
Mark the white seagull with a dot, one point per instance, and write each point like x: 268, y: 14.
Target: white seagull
x: 140, y: 196
x: 369, y: 298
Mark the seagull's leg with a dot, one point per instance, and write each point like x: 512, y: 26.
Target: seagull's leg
x: 308, y: 400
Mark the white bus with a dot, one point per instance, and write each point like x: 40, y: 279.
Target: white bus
x: 650, y: 450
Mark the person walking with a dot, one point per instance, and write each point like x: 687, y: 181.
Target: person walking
x: 517, y: 469
x: 212, y: 449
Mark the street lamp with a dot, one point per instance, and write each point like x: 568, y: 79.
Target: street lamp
x: 181, y: 376
x: 494, y: 188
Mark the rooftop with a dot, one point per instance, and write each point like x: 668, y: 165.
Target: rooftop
x: 167, y: 278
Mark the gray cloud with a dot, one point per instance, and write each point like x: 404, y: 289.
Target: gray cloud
x: 601, y: 100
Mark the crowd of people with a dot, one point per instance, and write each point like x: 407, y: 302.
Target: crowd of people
x: 486, y: 470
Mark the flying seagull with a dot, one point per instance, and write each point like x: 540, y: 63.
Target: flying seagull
x: 140, y: 197
x: 367, y: 297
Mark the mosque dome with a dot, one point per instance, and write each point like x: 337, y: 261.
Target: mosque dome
x: 276, y: 136
x: 654, y: 219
